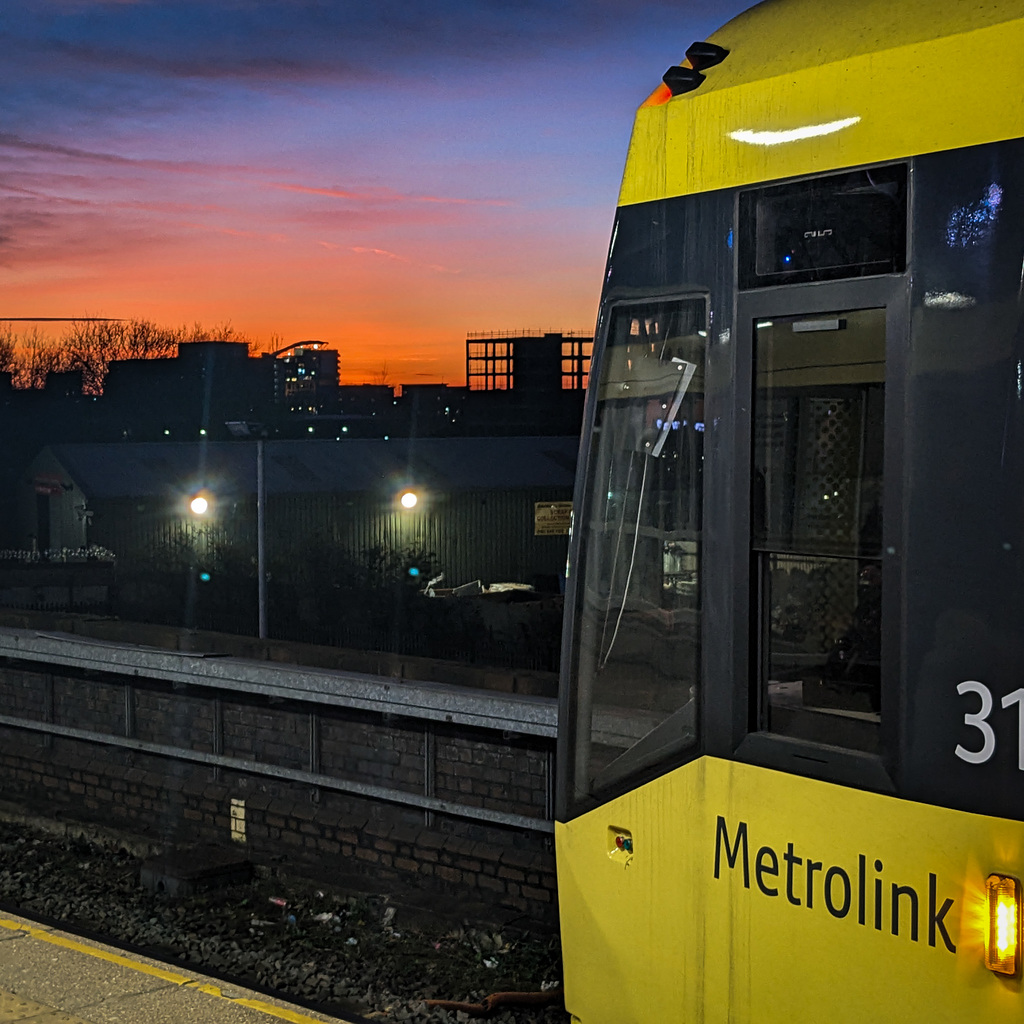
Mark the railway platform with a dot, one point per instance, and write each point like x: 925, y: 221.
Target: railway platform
x: 50, y: 977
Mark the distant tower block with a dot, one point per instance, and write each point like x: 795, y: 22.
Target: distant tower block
x: 306, y: 376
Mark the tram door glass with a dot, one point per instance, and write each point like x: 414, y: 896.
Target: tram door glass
x: 638, y: 596
x: 818, y: 417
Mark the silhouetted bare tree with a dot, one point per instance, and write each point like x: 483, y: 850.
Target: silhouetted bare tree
x: 8, y: 346
x: 90, y: 345
x: 35, y: 357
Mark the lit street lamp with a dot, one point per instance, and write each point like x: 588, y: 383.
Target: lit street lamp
x: 199, y: 505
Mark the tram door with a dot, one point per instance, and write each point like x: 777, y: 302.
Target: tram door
x: 817, y: 426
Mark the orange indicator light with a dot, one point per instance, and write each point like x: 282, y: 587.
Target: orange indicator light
x: 1002, y: 942
x: 661, y: 95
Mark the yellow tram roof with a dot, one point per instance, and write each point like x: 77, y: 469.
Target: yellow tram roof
x: 814, y: 85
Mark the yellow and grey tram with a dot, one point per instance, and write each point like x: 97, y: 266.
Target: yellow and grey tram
x: 792, y: 743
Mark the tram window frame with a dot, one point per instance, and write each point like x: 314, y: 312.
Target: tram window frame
x: 817, y: 509
x: 737, y: 725
x: 577, y: 795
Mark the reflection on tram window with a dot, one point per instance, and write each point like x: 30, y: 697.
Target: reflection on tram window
x: 817, y: 523
x: 973, y: 223
x: 639, y: 589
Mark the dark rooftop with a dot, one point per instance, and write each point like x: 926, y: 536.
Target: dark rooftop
x: 314, y: 466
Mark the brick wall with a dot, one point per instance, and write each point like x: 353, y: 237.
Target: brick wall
x: 316, y: 831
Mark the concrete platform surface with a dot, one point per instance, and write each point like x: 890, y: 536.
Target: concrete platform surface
x: 49, y: 977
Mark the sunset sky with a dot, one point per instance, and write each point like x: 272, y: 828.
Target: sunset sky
x: 383, y: 176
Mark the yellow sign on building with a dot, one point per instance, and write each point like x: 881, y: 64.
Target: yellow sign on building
x: 551, y: 518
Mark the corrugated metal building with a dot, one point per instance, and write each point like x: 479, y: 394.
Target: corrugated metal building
x: 475, y: 514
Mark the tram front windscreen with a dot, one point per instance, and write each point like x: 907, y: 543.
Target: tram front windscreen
x: 638, y: 617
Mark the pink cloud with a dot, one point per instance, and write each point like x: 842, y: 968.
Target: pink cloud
x: 28, y: 147
x: 386, y: 195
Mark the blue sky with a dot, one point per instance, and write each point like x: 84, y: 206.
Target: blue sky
x: 384, y: 177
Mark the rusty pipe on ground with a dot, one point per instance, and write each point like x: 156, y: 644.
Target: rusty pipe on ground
x: 499, y: 999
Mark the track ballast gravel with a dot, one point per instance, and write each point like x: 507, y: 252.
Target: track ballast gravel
x: 340, y: 952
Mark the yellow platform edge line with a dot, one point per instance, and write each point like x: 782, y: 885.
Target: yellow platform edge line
x: 173, y: 977
x: 101, y: 954
x: 257, y: 1004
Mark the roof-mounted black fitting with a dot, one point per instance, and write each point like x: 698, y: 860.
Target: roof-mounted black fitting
x: 705, y: 55
x: 680, y: 80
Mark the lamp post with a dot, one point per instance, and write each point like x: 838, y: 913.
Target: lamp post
x: 261, y: 541
x: 199, y: 505
x: 244, y: 428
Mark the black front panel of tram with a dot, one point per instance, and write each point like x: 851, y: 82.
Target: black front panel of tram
x: 901, y: 619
